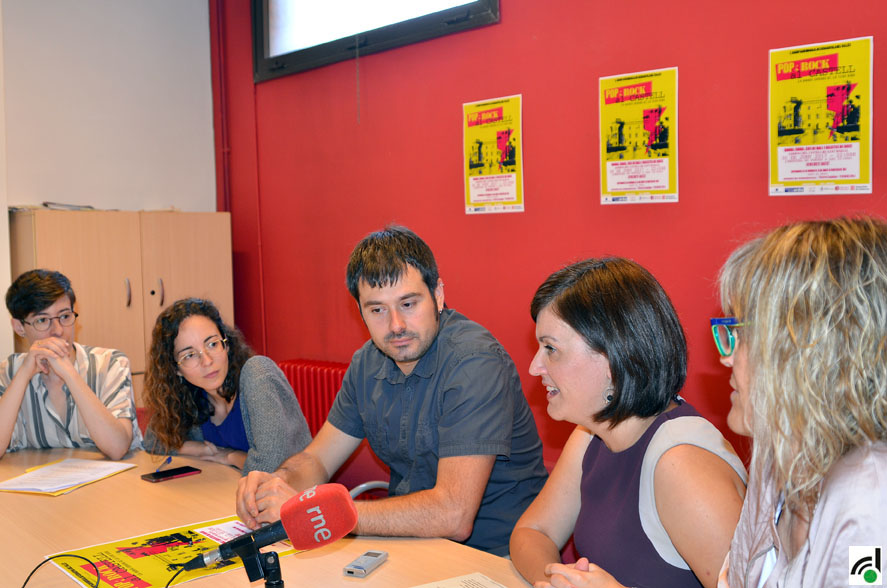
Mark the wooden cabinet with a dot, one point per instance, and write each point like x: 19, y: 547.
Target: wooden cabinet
x: 185, y: 254
x: 125, y: 267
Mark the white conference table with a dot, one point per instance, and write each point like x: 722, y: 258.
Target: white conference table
x: 124, y: 505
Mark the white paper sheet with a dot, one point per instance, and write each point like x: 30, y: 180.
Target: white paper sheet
x: 475, y: 580
x: 64, y: 474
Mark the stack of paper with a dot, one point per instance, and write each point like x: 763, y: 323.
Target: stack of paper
x: 63, y: 476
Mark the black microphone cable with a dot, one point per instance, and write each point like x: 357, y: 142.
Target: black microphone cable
x: 98, y: 577
x: 90, y: 562
x: 174, y: 576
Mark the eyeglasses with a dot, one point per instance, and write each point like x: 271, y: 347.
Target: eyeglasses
x: 724, y: 331
x: 214, y: 347
x: 42, y: 323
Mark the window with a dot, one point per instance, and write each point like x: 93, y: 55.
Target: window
x: 290, y: 36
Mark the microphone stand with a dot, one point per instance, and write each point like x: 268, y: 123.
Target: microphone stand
x: 258, y: 565
x: 271, y: 568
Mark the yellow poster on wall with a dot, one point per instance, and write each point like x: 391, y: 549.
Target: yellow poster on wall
x: 639, y: 137
x: 820, y: 118
x: 493, y: 155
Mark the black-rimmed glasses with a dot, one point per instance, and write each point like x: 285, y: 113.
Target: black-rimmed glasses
x: 42, y: 323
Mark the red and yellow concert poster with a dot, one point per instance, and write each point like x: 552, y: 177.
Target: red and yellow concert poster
x: 151, y: 560
x: 493, y: 155
x: 639, y: 137
x: 820, y: 118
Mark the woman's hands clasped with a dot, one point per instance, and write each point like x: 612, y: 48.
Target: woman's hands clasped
x: 581, y: 574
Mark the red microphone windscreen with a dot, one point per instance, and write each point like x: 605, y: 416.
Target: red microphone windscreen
x: 318, y: 516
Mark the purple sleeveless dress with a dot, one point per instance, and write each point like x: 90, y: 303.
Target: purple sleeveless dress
x: 608, y: 530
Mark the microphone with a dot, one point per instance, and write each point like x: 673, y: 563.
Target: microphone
x: 316, y: 517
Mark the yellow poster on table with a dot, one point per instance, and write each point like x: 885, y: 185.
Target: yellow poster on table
x: 639, y: 137
x: 493, y: 155
x: 151, y: 560
x: 820, y: 118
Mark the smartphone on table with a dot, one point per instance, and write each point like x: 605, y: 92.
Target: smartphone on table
x: 170, y: 474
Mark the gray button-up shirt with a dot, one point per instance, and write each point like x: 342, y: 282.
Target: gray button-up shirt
x: 463, y: 397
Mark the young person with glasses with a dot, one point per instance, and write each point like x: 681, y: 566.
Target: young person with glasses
x: 60, y: 393
x: 212, y: 398
x: 807, y: 345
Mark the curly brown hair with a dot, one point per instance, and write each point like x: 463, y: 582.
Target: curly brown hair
x: 176, y: 404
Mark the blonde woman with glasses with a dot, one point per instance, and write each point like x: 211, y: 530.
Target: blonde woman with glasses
x: 212, y: 398
x: 807, y: 344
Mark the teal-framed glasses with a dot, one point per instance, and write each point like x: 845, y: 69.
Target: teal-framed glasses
x: 724, y: 331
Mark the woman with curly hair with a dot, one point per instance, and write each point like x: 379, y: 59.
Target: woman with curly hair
x: 212, y: 398
x: 807, y: 343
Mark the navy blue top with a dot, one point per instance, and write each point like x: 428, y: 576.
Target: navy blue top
x: 463, y: 397
x: 231, y: 433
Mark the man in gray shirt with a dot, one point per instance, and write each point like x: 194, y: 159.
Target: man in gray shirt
x: 440, y: 402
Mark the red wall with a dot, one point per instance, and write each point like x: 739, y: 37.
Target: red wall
x: 306, y: 180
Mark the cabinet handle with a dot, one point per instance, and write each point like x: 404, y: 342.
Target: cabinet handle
x: 162, y: 295
x: 128, y: 292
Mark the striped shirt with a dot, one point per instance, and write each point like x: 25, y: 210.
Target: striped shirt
x: 39, y: 426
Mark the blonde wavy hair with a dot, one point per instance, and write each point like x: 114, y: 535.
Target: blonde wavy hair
x: 814, y: 295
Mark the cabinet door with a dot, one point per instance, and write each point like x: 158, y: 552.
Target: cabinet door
x: 99, y: 252
x: 186, y: 254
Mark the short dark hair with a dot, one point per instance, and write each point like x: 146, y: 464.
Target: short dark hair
x: 381, y: 258
x: 36, y: 290
x: 622, y: 312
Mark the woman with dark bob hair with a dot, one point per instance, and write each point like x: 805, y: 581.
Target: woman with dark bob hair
x: 807, y: 345
x: 212, y: 398
x: 650, y: 491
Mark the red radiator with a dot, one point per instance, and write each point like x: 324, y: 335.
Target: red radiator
x: 316, y: 384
